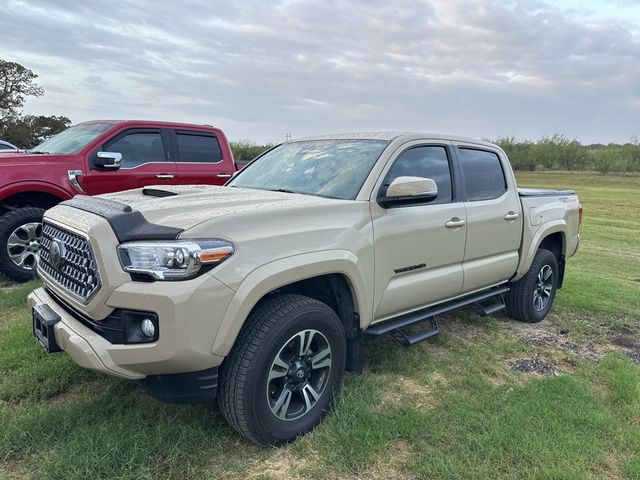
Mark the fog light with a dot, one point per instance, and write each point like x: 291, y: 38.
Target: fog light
x: 147, y: 327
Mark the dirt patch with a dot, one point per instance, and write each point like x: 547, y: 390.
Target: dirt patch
x: 282, y: 464
x: 589, y: 351
x: 545, y: 336
x: 457, y: 327
x: 12, y: 469
x: 403, y: 390
x: 387, y: 466
x: 634, y: 355
x: 532, y: 365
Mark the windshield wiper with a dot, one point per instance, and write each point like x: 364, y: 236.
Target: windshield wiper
x: 38, y: 152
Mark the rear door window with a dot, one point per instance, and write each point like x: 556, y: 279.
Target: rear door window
x: 483, y: 175
x: 196, y: 147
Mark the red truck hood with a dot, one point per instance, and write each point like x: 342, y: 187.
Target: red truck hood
x: 27, y: 159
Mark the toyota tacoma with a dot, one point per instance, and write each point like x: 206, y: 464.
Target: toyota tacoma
x: 262, y: 292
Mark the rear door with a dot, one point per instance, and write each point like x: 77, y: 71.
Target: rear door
x: 419, y: 248
x: 494, y: 217
x: 144, y: 162
x: 200, y: 159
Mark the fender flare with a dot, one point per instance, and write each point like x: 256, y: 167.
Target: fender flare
x: 34, y: 186
x: 283, y: 272
x: 546, y: 229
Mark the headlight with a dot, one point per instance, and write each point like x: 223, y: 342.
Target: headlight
x: 174, y: 260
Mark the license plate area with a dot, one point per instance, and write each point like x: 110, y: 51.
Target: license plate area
x: 44, y: 319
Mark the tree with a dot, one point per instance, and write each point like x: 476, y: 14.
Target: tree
x: 16, y: 83
x: 30, y: 130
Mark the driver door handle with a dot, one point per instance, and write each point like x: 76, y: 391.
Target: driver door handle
x: 511, y: 216
x: 455, y: 222
x: 164, y: 176
x: 224, y: 175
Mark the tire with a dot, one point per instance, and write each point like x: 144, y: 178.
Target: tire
x: 531, y: 297
x: 23, y: 226
x: 258, y: 407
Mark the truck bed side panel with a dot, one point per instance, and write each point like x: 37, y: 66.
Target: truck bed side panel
x: 547, y: 212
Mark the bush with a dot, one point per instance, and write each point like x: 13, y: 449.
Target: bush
x: 245, y: 150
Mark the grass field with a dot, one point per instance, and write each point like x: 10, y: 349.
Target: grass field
x: 488, y: 398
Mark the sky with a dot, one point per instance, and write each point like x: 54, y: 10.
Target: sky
x: 261, y: 70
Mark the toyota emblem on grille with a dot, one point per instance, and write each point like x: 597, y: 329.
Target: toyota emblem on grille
x: 57, y: 251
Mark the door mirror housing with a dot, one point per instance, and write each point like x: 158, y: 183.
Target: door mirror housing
x: 409, y: 191
x: 111, y: 160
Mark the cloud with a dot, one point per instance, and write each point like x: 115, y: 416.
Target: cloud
x: 262, y: 69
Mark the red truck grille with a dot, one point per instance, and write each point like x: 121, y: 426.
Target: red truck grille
x: 67, y: 260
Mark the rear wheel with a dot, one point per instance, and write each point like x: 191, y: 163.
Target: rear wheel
x: 280, y: 377
x: 531, y: 297
x: 20, y: 232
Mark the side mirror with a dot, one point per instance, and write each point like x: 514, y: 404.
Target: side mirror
x: 409, y: 191
x: 112, y: 160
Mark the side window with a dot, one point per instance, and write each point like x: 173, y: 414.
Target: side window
x: 428, y: 162
x: 198, y: 148
x: 483, y: 174
x: 138, y: 147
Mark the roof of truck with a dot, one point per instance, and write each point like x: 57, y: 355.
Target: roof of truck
x: 390, y: 136
x: 156, y: 123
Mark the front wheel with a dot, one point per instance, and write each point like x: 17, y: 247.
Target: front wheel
x: 280, y: 378
x: 20, y: 232
x: 531, y: 297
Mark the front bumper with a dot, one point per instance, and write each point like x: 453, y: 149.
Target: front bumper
x: 189, y: 315
x: 79, y: 342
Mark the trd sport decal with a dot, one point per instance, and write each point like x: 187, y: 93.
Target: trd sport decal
x: 410, y: 268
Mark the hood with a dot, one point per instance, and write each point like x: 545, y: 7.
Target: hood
x: 28, y: 159
x: 188, y: 206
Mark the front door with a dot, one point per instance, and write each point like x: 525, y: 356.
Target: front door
x: 494, y: 218
x: 144, y: 162
x: 419, y: 248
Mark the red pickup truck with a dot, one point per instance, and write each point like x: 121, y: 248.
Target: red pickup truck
x: 99, y: 157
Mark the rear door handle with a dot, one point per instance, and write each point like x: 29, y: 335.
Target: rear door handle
x: 511, y: 216
x: 164, y: 176
x: 224, y: 175
x: 455, y: 222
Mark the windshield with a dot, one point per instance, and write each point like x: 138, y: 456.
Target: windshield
x: 72, y: 139
x: 327, y: 168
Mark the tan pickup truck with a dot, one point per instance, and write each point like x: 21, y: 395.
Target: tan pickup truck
x: 263, y: 291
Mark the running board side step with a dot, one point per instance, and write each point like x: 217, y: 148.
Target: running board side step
x: 428, y: 315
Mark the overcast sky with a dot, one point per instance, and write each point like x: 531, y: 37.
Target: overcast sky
x: 260, y: 69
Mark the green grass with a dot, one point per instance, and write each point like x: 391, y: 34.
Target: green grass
x: 449, y: 408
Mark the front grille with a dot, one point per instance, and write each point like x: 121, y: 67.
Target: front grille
x: 74, y: 269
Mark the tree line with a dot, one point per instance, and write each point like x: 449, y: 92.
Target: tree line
x: 557, y: 152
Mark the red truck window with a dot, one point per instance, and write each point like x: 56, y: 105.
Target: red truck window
x: 138, y: 148
x: 198, y: 148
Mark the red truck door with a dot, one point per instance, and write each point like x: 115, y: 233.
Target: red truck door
x: 200, y: 159
x: 145, y: 161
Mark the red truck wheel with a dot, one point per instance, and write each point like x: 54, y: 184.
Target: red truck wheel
x: 20, y: 232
